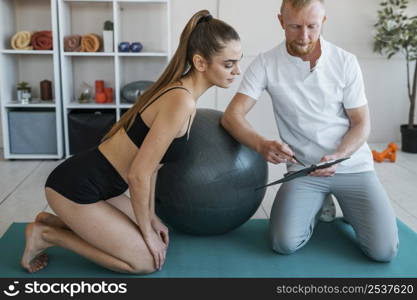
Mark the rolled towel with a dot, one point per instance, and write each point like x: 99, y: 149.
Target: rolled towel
x: 72, y: 43
x: 42, y: 40
x: 90, y: 43
x: 22, y: 41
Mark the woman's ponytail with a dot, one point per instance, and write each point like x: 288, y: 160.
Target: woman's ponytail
x: 204, y: 35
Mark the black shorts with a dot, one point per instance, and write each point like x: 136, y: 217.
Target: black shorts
x: 86, y: 178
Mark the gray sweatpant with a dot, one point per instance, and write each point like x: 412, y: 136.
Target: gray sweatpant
x: 364, y: 203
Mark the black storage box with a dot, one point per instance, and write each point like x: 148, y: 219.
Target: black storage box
x: 87, y: 127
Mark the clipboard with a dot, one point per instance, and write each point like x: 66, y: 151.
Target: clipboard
x: 304, y: 172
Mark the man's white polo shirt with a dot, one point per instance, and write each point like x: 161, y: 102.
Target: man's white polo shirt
x: 309, y: 106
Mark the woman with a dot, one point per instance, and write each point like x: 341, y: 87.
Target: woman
x: 124, y: 234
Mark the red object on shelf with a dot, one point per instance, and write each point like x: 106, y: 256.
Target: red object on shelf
x: 99, y: 86
x: 100, y: 97
x: 109, y: 94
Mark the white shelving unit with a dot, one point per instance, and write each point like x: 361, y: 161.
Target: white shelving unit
x: 145, y: 21
x: 31, y: 66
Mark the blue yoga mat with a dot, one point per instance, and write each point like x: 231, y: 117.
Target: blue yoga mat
x: 244, y: 252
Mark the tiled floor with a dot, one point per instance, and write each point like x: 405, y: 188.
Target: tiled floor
x: 22, y: 195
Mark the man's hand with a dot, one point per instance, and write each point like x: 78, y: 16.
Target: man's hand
x: 276, y: 152
x: 330, y: 171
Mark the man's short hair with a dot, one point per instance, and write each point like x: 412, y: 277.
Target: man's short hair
x: 297, y: 4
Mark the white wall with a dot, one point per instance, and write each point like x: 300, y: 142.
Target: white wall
x: 1, y: 134
x: 350, y: 26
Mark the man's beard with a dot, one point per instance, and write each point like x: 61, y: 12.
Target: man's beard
x: 301, y: 51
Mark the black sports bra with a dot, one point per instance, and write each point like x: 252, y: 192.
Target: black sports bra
x: 139, y: 130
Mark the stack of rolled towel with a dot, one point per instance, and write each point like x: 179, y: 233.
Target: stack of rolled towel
x: 39, y: 40
x: 42, y: 40
x: 72, y: 43
x: 87, y: 43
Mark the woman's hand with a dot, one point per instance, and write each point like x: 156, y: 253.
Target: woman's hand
x: 160, y: 229
x: 157, y: 248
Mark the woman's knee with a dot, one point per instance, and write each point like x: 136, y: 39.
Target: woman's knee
x: 141, y: 268
x: 142, y: 263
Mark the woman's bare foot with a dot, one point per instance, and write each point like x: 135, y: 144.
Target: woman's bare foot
x: 50, y: 219
x: 33, y: 258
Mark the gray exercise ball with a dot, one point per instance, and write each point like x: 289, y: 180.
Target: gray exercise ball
x: 211, y: 189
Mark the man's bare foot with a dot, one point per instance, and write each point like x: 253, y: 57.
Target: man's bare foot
x: 33, y: 258
x: 50, y: 219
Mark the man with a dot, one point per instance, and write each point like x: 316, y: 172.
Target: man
x: 321, y: 112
